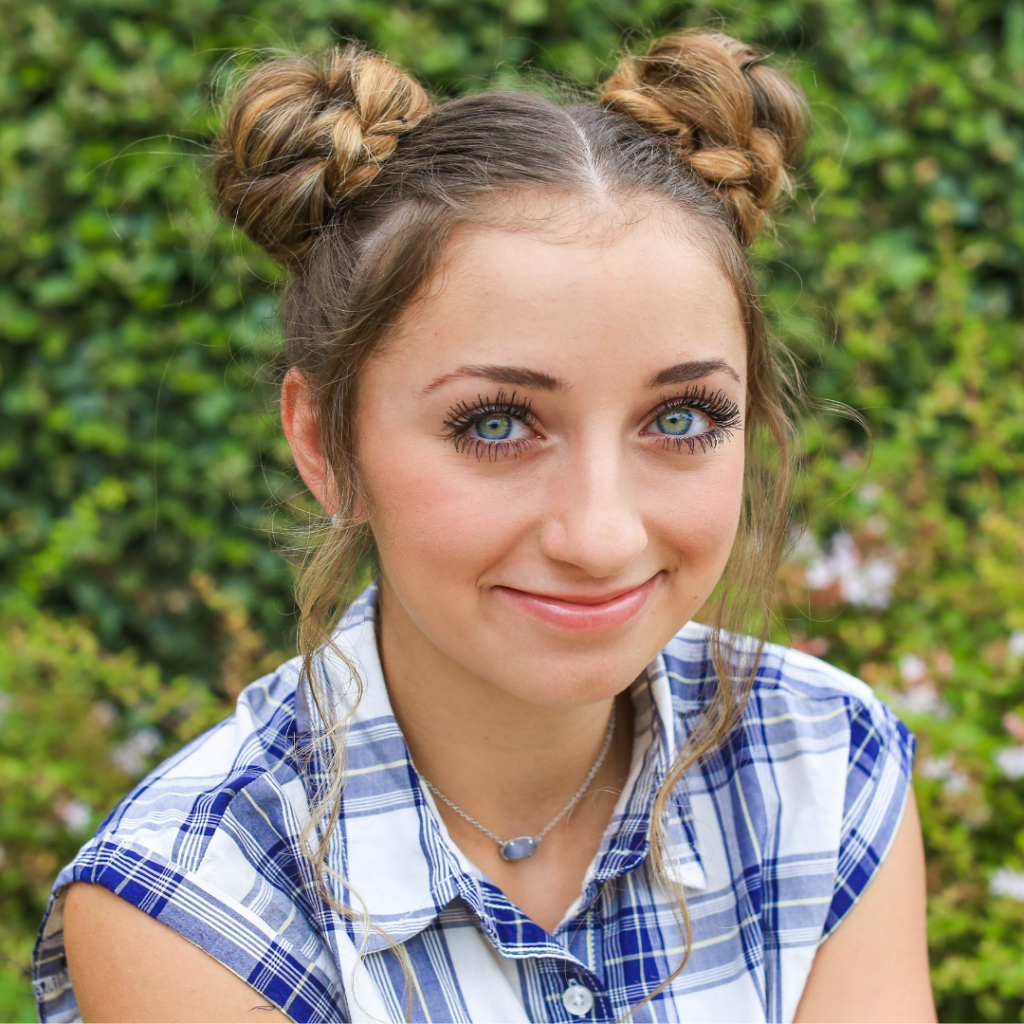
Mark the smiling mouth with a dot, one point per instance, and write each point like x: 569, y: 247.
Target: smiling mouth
x: 585, y: 613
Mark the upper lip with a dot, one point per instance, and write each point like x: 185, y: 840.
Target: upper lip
x: 585, y: 599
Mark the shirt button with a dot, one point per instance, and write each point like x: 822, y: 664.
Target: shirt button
x: 578, y: 999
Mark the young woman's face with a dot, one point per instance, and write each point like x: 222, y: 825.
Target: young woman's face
x: 553, y: 451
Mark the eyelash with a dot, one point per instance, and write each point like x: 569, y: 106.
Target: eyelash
x: 720, y: 409
x: 462, y: 416
x: 723, y: 412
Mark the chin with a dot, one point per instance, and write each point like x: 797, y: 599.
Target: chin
x: 555, y: 691
x: 580, y: 671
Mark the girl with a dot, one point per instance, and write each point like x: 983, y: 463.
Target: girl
x: 529, y: 373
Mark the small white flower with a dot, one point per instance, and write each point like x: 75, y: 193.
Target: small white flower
x: 1005, y: 882
x: 922, y: 699
x: 819, y: 575
x: 913, y: 670
x: 957, y: 783
x: 1010, y: 761
x: 953, y: 780
x: 841, y: 564
x: 870, y: 492
x: 803, y: 545
x: 76, y: 814
x: 131, y: 755
x: 872, y: 586
x: 935, y: 767
x: 866, y: 584
x: 1015, y: 645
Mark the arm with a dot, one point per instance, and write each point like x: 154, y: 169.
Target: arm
x: 127, y: 966
x: 874, y: 966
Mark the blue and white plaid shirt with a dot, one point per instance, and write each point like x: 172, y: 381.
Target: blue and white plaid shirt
x: 775, y: 836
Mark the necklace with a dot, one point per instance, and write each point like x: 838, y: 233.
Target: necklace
x: 522, y: 847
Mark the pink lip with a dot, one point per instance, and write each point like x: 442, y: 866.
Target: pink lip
x: 582, y: 613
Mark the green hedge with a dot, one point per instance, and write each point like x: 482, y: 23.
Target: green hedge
x: 145, y: 490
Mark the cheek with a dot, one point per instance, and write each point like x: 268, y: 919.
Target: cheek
x: 431, y: 518
x: 697, y: 516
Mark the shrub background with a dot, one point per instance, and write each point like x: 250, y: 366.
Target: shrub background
x: 142, y: 472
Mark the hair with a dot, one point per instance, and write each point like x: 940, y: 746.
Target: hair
x: 342, y: 168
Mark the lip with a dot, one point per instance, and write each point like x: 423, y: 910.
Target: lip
x: 581, y: 613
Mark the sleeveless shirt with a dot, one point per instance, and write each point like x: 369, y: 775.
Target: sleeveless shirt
x: 775, y: 835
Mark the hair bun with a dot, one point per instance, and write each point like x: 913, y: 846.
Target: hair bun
x: 738, y: 124
x: 302, y: 136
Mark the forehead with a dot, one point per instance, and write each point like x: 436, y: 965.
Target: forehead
x: 596, y: 299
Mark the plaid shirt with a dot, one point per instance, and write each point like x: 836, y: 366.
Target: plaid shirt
x: 775, y: 836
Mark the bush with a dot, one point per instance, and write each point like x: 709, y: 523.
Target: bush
x: 142, y: 470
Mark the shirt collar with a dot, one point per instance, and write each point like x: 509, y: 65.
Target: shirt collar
x: 391, y: 853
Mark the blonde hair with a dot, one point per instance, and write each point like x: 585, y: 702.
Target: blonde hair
x: 343, y: 169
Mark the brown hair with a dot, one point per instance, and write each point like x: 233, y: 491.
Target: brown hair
x: 341, y: 168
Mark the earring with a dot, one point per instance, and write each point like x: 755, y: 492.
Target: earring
x: 337, y: 521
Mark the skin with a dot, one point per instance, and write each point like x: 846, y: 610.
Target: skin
x: 522, y: 591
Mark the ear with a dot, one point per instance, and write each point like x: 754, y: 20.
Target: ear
x: 302, y: 429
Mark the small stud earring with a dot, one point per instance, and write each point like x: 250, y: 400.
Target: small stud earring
x: 337, y: 521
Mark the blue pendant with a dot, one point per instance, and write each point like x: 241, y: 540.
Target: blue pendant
x: 519, y: 848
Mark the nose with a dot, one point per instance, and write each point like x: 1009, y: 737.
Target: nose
x: 594, y: 523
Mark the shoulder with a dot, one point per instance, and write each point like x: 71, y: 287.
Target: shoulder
x: 176, y: 809
x: 110, y: 945
x: 810, y: 787
x: 209, y: 844
x: 792, y: 693
x: 814, y: 749
x: 211, y: 811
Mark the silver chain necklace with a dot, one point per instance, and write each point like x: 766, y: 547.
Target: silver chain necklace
x: 522, y: 847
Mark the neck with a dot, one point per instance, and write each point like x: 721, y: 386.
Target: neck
x: 509, y: 763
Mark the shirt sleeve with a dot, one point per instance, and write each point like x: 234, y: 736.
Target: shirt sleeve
x: 877, y: 786
x: 287, y: 974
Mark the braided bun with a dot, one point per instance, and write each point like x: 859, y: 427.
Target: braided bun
x: 303, y: 136
x: 737, y: 123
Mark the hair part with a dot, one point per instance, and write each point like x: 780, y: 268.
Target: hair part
x: 340, y: 168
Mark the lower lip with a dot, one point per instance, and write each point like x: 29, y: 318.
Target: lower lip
x: 581, y: 618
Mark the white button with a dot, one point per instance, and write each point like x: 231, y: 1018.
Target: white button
x: 578, y: 999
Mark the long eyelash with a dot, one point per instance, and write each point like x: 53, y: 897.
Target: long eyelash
x: 490, y: 450
x: 722, y: 410
x: 462, y: 416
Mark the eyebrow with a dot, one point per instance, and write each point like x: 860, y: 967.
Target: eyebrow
x: 521, y: 376
x: 683, y: 372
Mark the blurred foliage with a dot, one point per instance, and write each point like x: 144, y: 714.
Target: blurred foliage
x: 141, y: 468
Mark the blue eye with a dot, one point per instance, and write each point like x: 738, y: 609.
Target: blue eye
x: 490, y: 428
x: 680, y: 422
x: 494, y: 427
